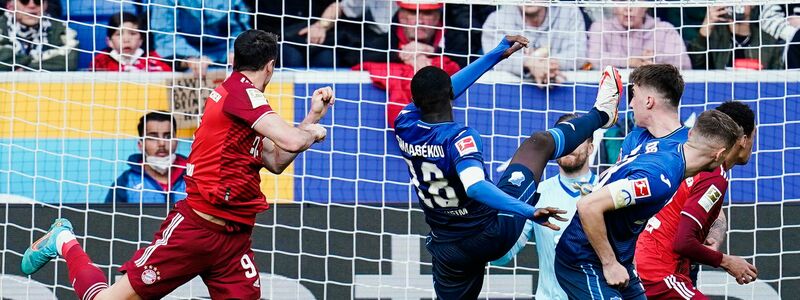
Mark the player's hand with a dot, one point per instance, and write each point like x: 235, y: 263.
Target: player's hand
x: 739, y: 268
x: 316, y: 130
x: 321, y: 100
x: 542, y: 217
x: 517, y: 42
x: 616, y: 275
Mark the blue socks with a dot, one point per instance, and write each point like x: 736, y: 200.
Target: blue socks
x: 570, y: 134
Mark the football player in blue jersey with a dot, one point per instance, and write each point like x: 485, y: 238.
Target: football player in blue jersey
x: 473, y: 221
x: 656, y: 92
x: 655, y: 95
x: 595, y: 254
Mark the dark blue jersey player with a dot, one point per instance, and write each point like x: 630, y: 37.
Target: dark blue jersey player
x: 594, y: 257
x: 473, y: 221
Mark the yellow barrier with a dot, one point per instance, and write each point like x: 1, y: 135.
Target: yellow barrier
x: 70, y: 110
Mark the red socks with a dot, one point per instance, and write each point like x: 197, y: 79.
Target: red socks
x: 86, y: 278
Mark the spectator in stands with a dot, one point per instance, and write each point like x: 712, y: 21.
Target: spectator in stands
x: 782, y: 21
x: 124, y: 38
x: 557, y: 39
x: 359, y: 24
x: 464, y: 23
x: 686, y: 19
x: 156, y: 174
x: 197, y: 33
x: 364, y: 29
x: 416, y: 37
x: 730, y: 38
x: 288, y: 19
x: 32, y: 41
x: 633, y: 38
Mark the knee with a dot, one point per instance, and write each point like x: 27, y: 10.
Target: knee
x: 539, y: 141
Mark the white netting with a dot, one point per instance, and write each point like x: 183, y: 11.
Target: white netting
x: 346, y: 222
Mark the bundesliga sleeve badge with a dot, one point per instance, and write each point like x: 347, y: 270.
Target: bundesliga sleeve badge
x: 466, y: 146
x: 257, y: 98
x: 641, y: 188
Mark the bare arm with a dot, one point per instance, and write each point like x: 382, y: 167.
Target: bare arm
x: 591, y: 210
x: 716, y: 234
x: 277, y: 158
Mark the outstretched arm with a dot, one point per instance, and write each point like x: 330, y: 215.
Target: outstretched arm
x: 469, y: 74
x: 277, y: 157
x: 470, y: 171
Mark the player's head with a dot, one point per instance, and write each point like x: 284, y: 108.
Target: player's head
x: 578, y: 159
x: 745, y: 118
x: 656, y: 90
x: 432, y: 90
x: 124, y: 33
x: 255, y: 50
x: 156, y: 130
x: 714, y: 134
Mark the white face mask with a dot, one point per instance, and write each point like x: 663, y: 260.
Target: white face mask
x: 160, y: 164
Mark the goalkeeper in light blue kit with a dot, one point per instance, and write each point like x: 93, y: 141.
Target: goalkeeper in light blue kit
x: 574, y: 180
x: 473, y: 221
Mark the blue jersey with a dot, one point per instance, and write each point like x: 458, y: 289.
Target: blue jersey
x: 432, y: 152
x: 641, y: 185
x: 639, y: 137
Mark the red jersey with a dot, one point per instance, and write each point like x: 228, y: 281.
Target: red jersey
x: 137, y: 63
x: 700, y: 198
x: 222, y: 176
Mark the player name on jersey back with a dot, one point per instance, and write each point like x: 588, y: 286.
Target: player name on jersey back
x: 427, y: 151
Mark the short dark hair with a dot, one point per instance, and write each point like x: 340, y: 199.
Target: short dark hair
x: 430, y: 87
x: 741, y: 114
x: 570, y: 116
x: 253, y: 49
x: 157, y: 116
x: 717, y: 126
x: 665, y: 79
x: 116, y: 21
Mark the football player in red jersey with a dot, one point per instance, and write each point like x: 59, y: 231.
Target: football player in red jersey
x: 208, y: 234
x: 675, y: 236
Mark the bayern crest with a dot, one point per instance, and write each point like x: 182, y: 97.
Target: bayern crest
x: 150, y: 275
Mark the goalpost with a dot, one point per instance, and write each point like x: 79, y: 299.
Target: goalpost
x: 344, y: 220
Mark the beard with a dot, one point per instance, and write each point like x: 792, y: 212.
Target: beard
x: 573, y: 162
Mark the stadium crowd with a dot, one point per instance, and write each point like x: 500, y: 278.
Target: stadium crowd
x: 196, y: 35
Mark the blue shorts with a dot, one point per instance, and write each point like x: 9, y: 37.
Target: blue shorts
x: 586, y: 281
x: 458, y: 266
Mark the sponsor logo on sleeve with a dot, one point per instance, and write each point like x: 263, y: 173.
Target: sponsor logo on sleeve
x: 710, y: 197
x: 257, y: 98
x: 466, y: 146
x: 215, y: 96
x: 641, y: 188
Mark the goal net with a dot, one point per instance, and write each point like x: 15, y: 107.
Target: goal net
x: 344, y: 220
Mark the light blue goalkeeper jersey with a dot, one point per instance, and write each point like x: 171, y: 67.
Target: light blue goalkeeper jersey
x: 561, y: 192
